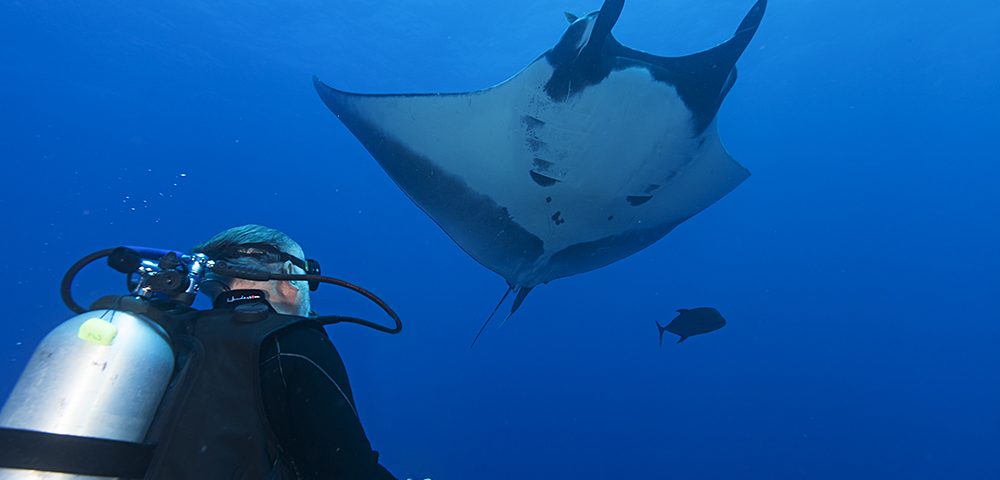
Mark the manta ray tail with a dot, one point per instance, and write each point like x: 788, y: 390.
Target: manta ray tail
x: 662, y: 329
x: 518, y: 299
x: 494, y: 312
x: 521, y: 293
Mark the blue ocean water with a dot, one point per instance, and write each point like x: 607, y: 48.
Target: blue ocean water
x: 857, y: 267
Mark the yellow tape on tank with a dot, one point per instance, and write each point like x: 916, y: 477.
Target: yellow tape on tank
x: 98, y: 331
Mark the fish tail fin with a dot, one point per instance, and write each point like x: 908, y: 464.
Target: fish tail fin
x: 662, y: 329
x: 494, y: 312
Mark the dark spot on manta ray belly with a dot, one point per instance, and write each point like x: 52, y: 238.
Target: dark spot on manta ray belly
x: 548, y: 199
x: 542, y: 172
x: 542, y: 180
x: 636, y: 200
x: 557, y: 218
x: 611, y: 217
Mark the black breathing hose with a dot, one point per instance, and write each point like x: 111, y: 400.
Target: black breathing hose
x: 238, y: 271
x: 356, y: 289
x: 66, y: 287
x: 224, y: 268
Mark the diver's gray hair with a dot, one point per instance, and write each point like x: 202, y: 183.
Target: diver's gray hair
x: 225, y: 241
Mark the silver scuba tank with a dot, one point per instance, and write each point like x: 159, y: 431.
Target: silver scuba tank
x: 100, y: 374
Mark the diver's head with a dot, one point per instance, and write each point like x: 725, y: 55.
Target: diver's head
x: 261, y: 248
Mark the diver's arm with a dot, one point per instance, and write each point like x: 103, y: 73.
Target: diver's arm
x: 311, y: 409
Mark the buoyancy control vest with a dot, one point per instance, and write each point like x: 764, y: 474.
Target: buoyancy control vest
x: 212, y: 422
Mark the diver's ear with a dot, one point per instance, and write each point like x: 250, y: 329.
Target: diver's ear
x: 289, y: 268
x: 287, y: 289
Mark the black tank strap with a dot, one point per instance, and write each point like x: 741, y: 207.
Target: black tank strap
x: 30, y: 450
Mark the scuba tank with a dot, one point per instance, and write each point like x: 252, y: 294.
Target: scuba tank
x: 100, y: 374
x: 83, y: 406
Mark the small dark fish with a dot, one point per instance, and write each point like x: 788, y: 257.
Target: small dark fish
x: 694, y: 321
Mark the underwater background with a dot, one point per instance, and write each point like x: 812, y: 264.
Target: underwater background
x: 857, y: 267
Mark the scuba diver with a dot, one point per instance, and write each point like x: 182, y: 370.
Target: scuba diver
x: 251, y: 389
x: 306, y: 396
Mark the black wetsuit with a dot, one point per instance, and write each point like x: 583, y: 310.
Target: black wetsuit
x: 310, y: 408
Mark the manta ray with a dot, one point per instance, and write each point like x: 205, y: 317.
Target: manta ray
x: 591, y: 153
